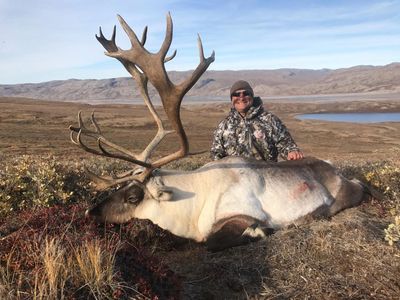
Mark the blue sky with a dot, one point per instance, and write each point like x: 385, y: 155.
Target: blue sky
x: 45, y: 40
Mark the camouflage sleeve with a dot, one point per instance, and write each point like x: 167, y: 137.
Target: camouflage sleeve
x: 283, y: 139
x: 217, y: 147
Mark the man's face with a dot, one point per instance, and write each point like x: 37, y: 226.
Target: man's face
x: 242, y: 100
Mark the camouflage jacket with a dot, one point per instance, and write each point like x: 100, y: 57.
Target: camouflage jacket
x: 259, y: 134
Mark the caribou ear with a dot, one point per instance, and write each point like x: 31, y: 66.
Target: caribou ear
x: 158, y: 190
x: 164, y: 194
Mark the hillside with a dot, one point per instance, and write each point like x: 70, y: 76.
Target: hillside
x: 281, y: 82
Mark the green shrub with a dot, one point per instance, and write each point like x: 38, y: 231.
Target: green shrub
x: 392, y: 232
x: 385, y: 178
x: 28, y: 181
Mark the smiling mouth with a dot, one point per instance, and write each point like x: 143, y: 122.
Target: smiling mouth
x: 243, y: 101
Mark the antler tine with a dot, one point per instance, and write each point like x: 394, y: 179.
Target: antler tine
x: 171, y: 57
x: 82, y: 130
x: 100, y: 182
x: 109, y: 45
x: 71, y: 135
x: 143, y: 42
x: 82, y: 127
x: 200, y: 46
x: 161, y: 132
x: 104, y: 182
x: 130, y: 157
x: 201, y: 68
x: 168, y: 37
x: 94, y: 122
x: 86, y: 148
x: 144, y: 36
x: 131, y: 34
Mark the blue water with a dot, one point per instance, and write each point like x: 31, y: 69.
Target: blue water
x: 353, y: 117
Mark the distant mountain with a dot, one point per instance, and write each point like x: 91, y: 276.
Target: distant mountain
x: 280, y: 82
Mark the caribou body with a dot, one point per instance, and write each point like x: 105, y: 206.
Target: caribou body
x: 224, y: 203
x: 234, y: 200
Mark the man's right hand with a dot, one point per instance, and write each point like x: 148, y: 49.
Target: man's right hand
x: 295, y: 155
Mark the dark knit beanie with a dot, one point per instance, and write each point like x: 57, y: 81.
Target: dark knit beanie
x: 241, y: 85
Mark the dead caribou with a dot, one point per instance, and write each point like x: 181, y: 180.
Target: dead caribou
x: 224, y: 203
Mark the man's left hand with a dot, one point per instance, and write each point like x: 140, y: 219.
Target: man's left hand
x: 295, y: 155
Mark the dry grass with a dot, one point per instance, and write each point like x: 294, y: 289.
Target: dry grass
x: 90, y: 266
x: 343, y: 258
x: 55, y: 253
x: 50, y: 283
x: 96, y: 267
x: 52, y: 267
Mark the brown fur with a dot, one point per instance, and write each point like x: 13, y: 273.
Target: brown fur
x: 229, y: 232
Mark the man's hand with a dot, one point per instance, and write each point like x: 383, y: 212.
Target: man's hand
x: 295, y: 155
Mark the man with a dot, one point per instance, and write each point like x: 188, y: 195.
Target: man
x: 250, y: 131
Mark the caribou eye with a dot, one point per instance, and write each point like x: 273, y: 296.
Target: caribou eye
x: 134, y: 194
x: 133, y: 199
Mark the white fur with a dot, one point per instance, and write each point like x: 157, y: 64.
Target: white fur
x: 254, y: 232
x: 198, y: 199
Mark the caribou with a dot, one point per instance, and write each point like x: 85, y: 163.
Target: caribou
x: 225, y: 203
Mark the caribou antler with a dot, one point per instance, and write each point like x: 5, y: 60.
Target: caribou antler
x: 145, y: 66
x: 96, y: 134
x: 141, y: 81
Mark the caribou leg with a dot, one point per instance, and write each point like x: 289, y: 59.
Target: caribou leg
x: 350, y: 194
x: 236, y: 231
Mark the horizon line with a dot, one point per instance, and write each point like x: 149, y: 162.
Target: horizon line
x: 207, y: 71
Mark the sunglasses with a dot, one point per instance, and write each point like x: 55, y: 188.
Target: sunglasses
x: 243, y: 94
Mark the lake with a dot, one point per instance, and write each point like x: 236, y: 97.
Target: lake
x: 353, y: 117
